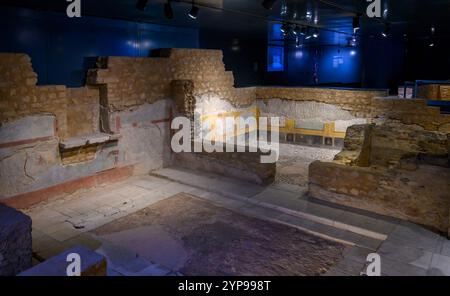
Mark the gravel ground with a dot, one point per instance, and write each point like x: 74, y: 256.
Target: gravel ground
x: 217, y: 241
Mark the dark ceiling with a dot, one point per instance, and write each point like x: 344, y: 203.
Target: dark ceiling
x: 334, y: 17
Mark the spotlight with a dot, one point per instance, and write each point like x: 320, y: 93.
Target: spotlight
x: 194, y: 12
x: 352, y: 52
x: 316, y: 33
x: 303, y: 31
x: 284, y: 29
x: 386, y: 31
x: 296, y: 30
x: 356, y: 24
x: 431, y: 44
x: 268, y: 4
x: 308, y: 33
x: 142, y: 4
x: 168, y: 11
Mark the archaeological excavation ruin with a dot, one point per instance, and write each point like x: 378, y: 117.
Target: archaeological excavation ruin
x: 96, y: 161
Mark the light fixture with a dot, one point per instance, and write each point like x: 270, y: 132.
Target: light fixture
x: 168, y: 11
x: 356, y: 24
x: 353, y: 52
x: 194, y: 12
x: 316, y: 33
x: 296, y: 30
x: 268, y: 4
x: 303, y: 31
x: 284, y: 29
x: 308, y: 33
x: 142, y: 4
x: 433, y: 30
x: 386, y: 31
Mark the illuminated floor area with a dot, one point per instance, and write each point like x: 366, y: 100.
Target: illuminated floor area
x: 128, y: 222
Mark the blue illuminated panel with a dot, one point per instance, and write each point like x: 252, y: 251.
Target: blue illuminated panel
x: 275, y: 58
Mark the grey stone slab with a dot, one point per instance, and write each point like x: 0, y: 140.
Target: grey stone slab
x: 413, y: 256
x: 57, y: 265
x: 440, y: 265
x: 357, y: 253
x: 445, y: 249
x: 391, y: 267
x: 415, y: 241
x: 323, y: 211
x: 260, y: 212
x: 369, y: 242
x: 300, y: 190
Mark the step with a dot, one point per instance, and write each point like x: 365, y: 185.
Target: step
x: 273, y: 215
x: 287, y: 199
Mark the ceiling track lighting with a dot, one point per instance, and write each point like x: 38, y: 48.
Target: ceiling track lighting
x: 433, y: 30
x: 386, y: 31
x: 284, y: 28
x: 269, y: 4
x: 142, y: 4
x: 193, y: 14
x: 316, y: 33
x: 356, y: 23
x: 303, y: 31
x: 168, y: 11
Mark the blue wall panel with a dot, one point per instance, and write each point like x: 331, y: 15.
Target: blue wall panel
x: 324, y: 65
x: 62, y: 49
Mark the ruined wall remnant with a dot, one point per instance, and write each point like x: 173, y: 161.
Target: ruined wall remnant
x: 405, y: 173
x: 242, y: 165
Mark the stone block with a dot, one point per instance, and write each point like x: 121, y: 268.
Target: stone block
x: 15, y: 241
x: 92, y: 264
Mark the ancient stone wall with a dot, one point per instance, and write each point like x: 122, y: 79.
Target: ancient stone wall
x: 357, y: 102
x: 411, y: 111
x: 242, y: 165
x: 20, y: 97
x: 393, y: 169
x: 83, y: 111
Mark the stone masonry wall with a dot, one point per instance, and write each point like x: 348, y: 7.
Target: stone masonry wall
x: 393, y: 169
x: 20, y: 97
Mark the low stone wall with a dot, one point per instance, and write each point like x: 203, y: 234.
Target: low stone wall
x: 392, y: 169
x: 15, y: 241
x: 357, y: 102
x: 419, y: 195
x: 241, y: 165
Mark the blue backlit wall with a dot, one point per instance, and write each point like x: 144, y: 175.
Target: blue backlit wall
x: 62, y: 49
x: 275, y: 48
x: 318, y: 65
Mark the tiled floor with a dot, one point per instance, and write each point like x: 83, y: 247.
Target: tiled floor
x: 405, y: 248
